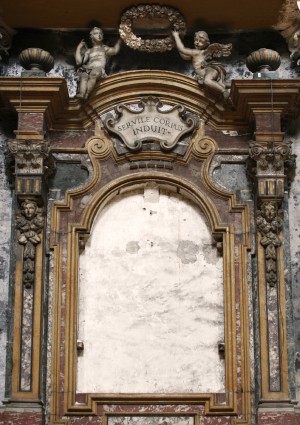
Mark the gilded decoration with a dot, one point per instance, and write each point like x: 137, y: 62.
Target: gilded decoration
x: 150, y: 121
x: 154, y: 19
x: 30, y: 223
x: 269, y: 223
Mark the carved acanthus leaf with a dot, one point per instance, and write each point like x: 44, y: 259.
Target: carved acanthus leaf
x: 272, y: 156
x: 31, y: 157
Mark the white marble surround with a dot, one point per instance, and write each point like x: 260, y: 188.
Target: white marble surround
x: 150, y: 299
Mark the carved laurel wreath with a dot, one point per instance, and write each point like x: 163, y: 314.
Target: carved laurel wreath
x: 151, y: 11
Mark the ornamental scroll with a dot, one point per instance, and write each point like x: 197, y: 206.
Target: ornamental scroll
x: 152, y: 121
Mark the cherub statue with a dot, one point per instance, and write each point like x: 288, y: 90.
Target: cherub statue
x: 289, y: 26
x: 211, y: 74
x: 92, y: 61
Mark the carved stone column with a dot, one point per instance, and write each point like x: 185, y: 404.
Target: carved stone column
x: 272, y: 158
x: 31, y: 163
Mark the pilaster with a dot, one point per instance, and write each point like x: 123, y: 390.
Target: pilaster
x: 30, y: 163
x: 272, y: 161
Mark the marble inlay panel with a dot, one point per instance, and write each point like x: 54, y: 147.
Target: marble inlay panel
x: 150, y: 299
x: 273, y: 338
x: 150, y: 420
x: 26, y: 342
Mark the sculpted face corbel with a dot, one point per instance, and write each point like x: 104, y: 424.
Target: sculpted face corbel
x: 274, y: 161
x: 29, y: 223
x: 269, y: 224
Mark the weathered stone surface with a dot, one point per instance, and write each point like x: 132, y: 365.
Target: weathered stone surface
x: 294, y: 222
x: 157, y: 329
x: 5, y: 236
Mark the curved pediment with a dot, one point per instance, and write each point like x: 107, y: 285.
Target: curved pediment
x: 50, y: 95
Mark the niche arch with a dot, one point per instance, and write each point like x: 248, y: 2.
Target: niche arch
x: 71, y: 241
x: 150, y: 297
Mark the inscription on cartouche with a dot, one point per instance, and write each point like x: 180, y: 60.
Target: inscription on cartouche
x: 151, y: 122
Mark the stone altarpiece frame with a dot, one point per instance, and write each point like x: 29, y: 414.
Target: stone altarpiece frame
x: 228, y: 222
x: 261, y: 102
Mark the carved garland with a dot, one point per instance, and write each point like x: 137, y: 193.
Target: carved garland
x: 151, y: 12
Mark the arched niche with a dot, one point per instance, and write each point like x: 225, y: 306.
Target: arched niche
x: 74, y: 223
x: 150, y: 298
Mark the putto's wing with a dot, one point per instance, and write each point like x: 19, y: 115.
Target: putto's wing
x: 217, y: 50
x: 289, y: 23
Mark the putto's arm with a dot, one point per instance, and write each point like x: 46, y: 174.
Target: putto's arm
x: 111, y: 51
x: 80, y: 52
x: 188, y: 53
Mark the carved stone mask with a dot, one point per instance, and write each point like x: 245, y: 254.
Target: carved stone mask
x: 29, y: 209
x: 268, y: 211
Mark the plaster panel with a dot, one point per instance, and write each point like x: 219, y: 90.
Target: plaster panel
x: 150, y: 299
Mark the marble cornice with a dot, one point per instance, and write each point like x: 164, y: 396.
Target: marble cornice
x: 248, y: 97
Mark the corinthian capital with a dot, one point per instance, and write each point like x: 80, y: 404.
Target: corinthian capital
x: 271, y: 156
x: 31, y: 157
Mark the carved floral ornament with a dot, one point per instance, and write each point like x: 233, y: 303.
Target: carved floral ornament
x: 152, y: 121
x: 155, y: 19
